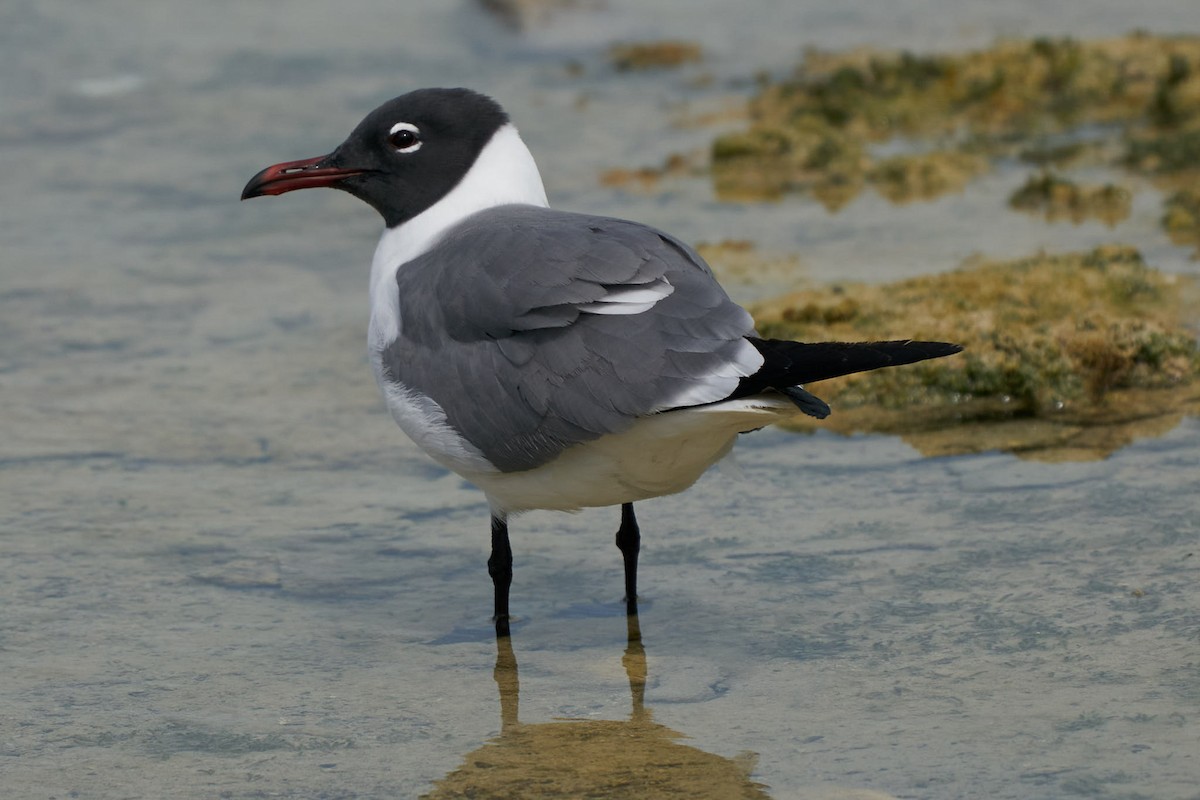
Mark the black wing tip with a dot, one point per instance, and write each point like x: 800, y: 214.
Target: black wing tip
x: 911, y: 351
x: 899, y: 352
x: 938, y: 349
x: 788, y: 363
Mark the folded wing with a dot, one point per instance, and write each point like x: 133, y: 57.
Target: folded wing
x: 536, y: 330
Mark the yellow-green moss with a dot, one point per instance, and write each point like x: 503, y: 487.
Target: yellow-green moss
x: 1057, y: 198
x: 1042, y: 334
x: 1182, y: 217
x: 1058, y: 155
x: 1067, y: 356
x: 1167, y: 152
x: 806, y: 156
x: 921, y: 177
x: 812, y: 131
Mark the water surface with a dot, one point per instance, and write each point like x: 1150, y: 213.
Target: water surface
x: 225, y: 573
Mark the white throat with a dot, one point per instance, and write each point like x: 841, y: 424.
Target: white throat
x: 504, y: 173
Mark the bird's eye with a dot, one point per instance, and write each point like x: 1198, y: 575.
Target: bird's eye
x: 405, y: 137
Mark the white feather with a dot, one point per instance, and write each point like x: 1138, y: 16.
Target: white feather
x: 720, y: 382
x: 630, y: 299
x: 608, y: 307
x: 424, y: 421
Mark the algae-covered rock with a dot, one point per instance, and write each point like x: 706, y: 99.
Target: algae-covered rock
x: 923, y: 177
x: 1080, y: 340
x: 1058, y: 198
x: 1182, y: 217
x: 1165, y: 152
x: 814, y: 130
x: 808, y: 155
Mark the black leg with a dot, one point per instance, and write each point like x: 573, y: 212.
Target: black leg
x: 629, y: 540
x: 500, y: 568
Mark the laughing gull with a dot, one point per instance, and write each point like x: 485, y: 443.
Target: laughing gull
x: 554, y: 360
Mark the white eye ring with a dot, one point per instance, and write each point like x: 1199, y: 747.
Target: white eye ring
x: 405, y: 137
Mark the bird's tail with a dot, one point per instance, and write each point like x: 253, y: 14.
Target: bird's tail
x: 787, y: 365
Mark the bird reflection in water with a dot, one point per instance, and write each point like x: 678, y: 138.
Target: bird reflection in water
x: 593, y: 758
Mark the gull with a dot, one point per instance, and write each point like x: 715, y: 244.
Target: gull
x: 555, y: 360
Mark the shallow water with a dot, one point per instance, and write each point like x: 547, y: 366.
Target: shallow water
x: 225, y: 573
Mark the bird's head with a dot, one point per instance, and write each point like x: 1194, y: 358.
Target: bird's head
x: 404, y: 156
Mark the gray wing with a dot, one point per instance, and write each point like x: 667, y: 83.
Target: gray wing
x: 536, y: 330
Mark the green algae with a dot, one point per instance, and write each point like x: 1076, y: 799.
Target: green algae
x: 814, y: 131
x: 1181, y: 217
x: 1165, y: 153
x: 807, y: 155
x: 1072, y: 342
x: 922, y: 177
x: 1058, y: 198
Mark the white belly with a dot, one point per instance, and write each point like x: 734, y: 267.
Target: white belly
x: 660, y: 454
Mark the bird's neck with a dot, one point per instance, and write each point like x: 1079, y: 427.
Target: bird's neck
x: 504, y: 173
